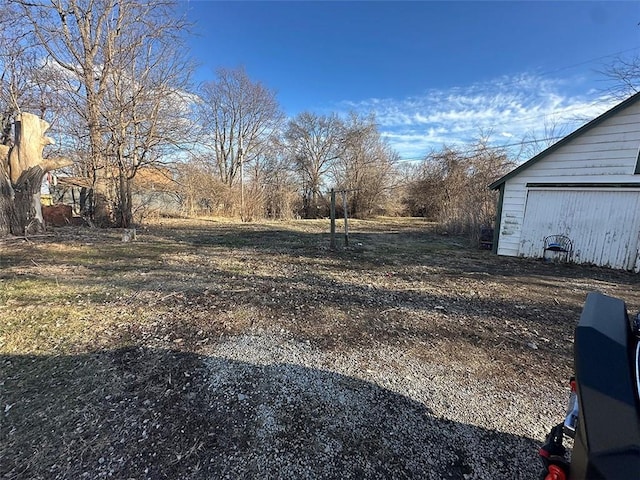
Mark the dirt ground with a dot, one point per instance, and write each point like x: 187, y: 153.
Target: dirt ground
x: 407, y: 354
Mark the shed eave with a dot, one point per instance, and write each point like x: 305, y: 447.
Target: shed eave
x: 587, y: 126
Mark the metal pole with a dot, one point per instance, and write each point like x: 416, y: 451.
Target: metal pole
x: 346, y: 225
x: 332, y: 243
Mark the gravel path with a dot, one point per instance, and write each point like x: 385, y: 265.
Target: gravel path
x: 301, y: 413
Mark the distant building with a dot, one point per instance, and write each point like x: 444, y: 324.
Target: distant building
x: 153, y: 192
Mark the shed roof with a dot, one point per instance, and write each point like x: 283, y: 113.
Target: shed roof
x: 588, y: 126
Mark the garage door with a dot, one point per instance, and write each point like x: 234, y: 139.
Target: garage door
x: 603, y: 224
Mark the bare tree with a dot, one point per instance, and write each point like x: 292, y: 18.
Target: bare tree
x: 9, y: 78
x: 23, y: 89
x: 96, y: 42
x: 485, y: 165
x: 365, y: 167
x: 536, y: 141
x: 14, y: 77
x: 274, y: 187
x: 451, y: 187
x: 421, y: 188
x: 314, y: 143
x: 623, y: 75
x: 239, y: 117
x: 23, y: 80
x: 146, y: 112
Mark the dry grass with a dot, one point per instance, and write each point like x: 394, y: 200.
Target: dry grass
x: 78, y: 305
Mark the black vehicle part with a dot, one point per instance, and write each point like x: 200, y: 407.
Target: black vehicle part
x: 553, y: 455
x: 607, y: 437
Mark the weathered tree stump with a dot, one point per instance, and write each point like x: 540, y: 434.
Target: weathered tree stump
x: 22, y: 169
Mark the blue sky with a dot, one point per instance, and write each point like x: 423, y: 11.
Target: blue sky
x: 433, y: 73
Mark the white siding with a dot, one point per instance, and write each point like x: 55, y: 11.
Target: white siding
x: 607, y: 153
x: 602, y: 223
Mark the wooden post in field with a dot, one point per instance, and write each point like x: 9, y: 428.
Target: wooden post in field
x: 332, y: 243
x: 240, y: 157
x: 346, y: 226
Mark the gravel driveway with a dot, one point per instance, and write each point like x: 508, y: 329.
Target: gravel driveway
x: 374, y: 413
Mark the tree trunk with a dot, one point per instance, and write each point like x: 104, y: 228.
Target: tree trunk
x: 28, y: 209
x: 103, y: 211
x: 7, y: 213
x: 125, y: 216
x: 85, y: 201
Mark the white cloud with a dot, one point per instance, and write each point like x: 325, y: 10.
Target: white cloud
x: 510, y: 109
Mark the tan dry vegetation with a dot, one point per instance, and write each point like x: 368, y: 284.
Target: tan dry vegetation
x: 103, y: 344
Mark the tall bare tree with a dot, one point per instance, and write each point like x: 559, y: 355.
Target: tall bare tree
x: 146, y: 112
x: 538, y: 140
x: 97, y: 42
x: 314, y: 143
x: 239, y: 118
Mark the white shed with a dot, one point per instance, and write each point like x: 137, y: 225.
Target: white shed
x: 586, y: 187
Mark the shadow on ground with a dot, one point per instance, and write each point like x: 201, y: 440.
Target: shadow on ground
x: 152, y: 413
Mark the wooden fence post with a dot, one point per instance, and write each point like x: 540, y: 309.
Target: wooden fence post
x: 346, y: 226
x: 332, y: 244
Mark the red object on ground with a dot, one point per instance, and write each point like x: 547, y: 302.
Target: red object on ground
x: 57, y: 215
